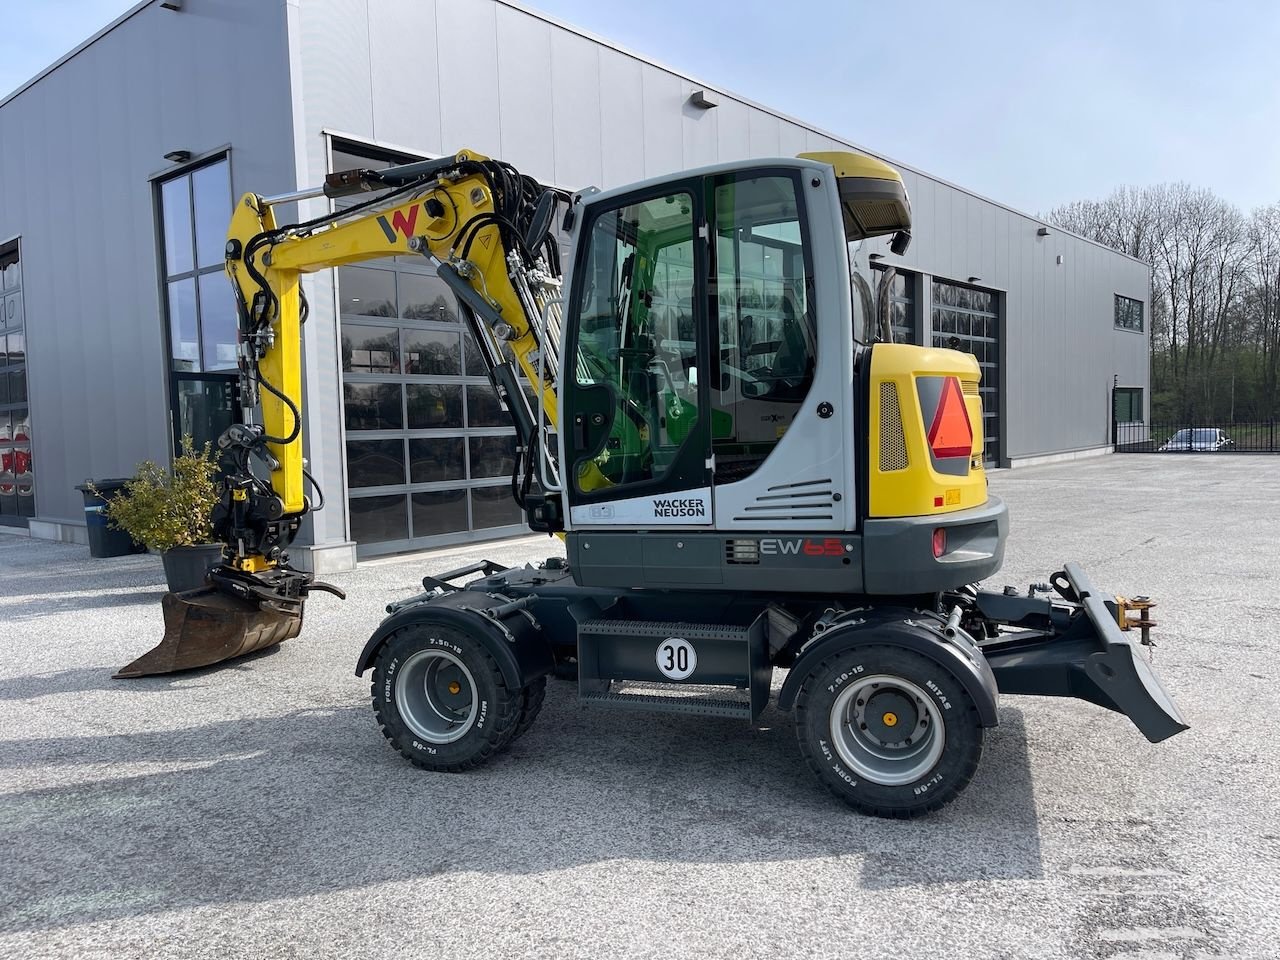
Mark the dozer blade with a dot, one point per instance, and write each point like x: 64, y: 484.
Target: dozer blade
x: 207, y: 626
x: 1085, y: 656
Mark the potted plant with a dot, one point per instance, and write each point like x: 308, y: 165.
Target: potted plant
x: 170, y: 511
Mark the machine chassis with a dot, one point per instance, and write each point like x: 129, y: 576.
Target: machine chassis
x: 934, y: 661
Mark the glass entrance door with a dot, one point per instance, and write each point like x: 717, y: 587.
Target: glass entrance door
x: 204, y: 405
x: 429, y: 450
x: 17, y: 476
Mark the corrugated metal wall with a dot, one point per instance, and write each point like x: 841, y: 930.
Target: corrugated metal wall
x: 1062, y: 351
x: 77, y: 149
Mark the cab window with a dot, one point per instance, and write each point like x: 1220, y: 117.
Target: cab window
x: 767, y: 325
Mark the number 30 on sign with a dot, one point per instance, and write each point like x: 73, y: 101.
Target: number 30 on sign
x: 676, y: 658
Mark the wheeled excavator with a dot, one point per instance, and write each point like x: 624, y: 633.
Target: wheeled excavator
x: 746, y: 472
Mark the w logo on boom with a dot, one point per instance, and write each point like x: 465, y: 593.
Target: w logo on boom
x: 402, y: 223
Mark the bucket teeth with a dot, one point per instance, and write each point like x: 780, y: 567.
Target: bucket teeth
x: 207, y: 626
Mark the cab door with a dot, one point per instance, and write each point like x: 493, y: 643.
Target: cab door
x: 634, y: 419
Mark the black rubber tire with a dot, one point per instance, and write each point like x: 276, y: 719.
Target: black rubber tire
x: 937, y: 786
x: 531, y: 700
x: 500, y: 708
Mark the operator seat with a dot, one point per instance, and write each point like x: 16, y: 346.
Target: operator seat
x: 793, y: 364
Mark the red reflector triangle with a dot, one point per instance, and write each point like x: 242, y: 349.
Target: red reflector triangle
x: 951, y: 435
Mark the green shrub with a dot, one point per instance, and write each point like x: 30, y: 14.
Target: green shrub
x: 162, y: 509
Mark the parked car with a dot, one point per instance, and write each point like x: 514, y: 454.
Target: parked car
x: 1197, y: 440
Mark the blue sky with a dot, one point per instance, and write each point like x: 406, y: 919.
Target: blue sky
x: 1030, y: 103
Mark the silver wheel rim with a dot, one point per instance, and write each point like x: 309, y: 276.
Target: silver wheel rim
x: 865, y: 744
x: 426, y: 698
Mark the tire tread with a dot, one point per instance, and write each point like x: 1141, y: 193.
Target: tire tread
x: 534, y: 695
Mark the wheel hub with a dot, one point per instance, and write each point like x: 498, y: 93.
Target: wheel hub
x: 451, y: 692
x: 436, y: 697
x: 887, y: 730
x: 891, y: 717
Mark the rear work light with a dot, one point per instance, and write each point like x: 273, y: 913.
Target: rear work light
x: 939, y: 542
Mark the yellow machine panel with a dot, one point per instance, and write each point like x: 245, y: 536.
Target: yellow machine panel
x: 926, y: 432
x: 282, y: 367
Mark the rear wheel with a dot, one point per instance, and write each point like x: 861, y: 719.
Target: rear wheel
x: 890, y: 732
x: 441, y: 700
x: 531, y: 700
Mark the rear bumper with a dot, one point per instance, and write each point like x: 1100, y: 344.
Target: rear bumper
x: 898, y: 551
x: 1083, y: 654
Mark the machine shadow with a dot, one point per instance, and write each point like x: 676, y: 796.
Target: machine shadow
x: 85, y: 679
x: 37, y: 607
x: 315, y: 801
x: 68, y: 570
x: 996, y: 814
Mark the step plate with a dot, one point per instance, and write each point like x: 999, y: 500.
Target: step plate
x: 724, y: 658
x: 659, y: 630
x: 655, y: 704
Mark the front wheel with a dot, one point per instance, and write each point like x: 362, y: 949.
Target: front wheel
x: 890, y: 732
x: 441, y: 700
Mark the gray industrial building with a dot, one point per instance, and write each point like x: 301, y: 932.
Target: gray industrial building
x: 119, y: 165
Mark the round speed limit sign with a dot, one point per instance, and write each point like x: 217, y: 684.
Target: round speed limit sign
x: 676, y: 658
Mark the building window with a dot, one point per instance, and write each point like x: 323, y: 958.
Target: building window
x: 429, y: 450
x: 1128, y: 404
x: 1128, y: 314
x: 195, y: 210
x: 966, y: 318
x: 17, y: 475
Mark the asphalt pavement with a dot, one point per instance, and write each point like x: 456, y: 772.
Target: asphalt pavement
x: 254, y: 810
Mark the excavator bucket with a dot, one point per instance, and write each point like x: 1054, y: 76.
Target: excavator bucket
x: 207, y: 626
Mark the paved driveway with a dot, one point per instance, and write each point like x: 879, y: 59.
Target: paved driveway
x: 255, y: 810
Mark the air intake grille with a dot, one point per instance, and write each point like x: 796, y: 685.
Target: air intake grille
x: 878, y: 214
x: 801, y: 500
x: 969, y: 388
x: 893, y: 443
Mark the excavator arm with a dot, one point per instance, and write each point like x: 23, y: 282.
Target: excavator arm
x: 488, y: 230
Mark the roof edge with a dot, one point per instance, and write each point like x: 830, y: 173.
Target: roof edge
x: 136, y: 8
x: 525, y: 8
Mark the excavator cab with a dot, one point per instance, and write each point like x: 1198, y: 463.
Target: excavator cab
x: 711, y: 327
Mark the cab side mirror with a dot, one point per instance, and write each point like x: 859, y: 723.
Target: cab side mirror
x: 540, y: 223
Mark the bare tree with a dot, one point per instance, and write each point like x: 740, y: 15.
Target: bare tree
x: 1215, y: 292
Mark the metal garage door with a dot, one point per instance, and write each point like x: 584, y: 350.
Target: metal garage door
x: 967, y: 318
x: 429, y: 450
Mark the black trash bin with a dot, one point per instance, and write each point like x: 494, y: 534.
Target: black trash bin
x: 104, y: 540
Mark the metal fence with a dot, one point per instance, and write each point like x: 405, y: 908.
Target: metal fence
x: 1256, y: 437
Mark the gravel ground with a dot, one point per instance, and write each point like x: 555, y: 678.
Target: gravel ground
x: 255, y: 810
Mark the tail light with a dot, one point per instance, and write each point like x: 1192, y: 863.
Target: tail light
x: 939, y: 542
